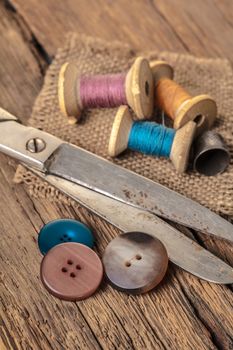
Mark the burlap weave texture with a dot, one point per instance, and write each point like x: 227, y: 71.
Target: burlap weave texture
x: 197, y: 75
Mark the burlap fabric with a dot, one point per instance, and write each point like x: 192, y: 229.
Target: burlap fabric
x: 198, y: 75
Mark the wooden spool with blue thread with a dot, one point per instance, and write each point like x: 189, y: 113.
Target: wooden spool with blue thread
x: 178, y: 104
x: 180, y: 145
x: 138, y: 87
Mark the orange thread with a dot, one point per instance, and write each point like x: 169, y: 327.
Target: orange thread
x: 170, y: 96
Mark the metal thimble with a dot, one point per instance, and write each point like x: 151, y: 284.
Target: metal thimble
x: 210, y: 154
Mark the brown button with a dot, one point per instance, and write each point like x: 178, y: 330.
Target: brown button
x: 71, y: 271
x: 135, y: 262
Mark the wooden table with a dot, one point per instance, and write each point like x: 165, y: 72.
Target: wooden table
x: 184, y: 312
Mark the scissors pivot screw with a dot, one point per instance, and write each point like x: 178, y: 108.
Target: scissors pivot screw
x: 35, y: 145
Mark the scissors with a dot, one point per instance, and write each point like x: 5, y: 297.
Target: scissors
x: 125, y: 199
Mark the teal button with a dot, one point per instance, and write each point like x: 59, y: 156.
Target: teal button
x: 62, y: 231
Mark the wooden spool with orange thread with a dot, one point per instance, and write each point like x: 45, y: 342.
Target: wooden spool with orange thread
x: 177, y: 103
x: 138, y: 87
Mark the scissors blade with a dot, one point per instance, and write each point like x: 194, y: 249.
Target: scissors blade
x: 182, y: 251
x: 86, y: 169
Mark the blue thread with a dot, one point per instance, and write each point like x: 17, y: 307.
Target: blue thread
x: 151, y: 138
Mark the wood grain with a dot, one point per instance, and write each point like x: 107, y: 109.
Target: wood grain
x: 20, y: 73
x: 183, y: 312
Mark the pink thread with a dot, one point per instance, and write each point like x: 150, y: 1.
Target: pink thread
x: 103, y: 91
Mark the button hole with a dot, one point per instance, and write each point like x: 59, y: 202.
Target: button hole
x: 72, y: 275
x: 65, y: 236
x: 78, y: 267
x: 64, y: 269
x: 69, y: 239
x: 128, y: 264
x: 69, y: 262
x: 138, y: 257
x: 61, y: 239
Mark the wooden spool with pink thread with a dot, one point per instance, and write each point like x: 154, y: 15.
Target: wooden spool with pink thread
x: 135, y: 88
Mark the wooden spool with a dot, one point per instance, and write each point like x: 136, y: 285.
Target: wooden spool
x: 178, y: 104
x: 180, y: 148
x: 139, y: 88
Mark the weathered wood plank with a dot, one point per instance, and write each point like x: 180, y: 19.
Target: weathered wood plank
x: 197, y: 27
x: 190, y: 30
x: 159, y: 315
x: 201, y: 25
x: 21, y: 78
x: 183, y: 312
x: 109, y: 20
x: 30, y: 319
x: 211, y: 304
x: 20, y: 73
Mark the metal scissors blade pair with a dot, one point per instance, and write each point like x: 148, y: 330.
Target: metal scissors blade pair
x: 123, y: 198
